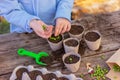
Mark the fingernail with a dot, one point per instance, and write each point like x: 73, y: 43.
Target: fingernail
x: 56, y: 34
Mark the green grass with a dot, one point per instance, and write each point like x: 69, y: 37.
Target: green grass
x: 4, y: 27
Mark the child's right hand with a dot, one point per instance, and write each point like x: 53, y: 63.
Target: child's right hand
x: 36, y: 25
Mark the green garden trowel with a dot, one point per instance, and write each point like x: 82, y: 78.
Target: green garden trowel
x: 23, y: 52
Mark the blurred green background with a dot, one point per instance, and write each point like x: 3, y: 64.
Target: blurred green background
x: 4, y: 26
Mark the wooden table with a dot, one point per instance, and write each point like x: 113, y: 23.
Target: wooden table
x: 108, y: 24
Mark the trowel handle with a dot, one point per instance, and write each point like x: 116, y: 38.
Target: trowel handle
x: 23, y: 52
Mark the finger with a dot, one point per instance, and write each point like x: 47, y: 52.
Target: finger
x: 40, y: 34
x: 58, y: 29
x: 48, y: 34
x: 50, y: 28
x: 69, y: 27
x: 49, y: 31
x: 43, y: 34
x: 64, y: 29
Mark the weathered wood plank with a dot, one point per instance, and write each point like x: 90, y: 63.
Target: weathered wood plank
x: 5, y: 77
x: 108, y: 44
x: 107, y: 24
x: 9, y: 52
x: 100, y: 22
x: 94, y: 60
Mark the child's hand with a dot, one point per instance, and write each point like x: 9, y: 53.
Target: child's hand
x: 36, y: 25
x: 62, y: 26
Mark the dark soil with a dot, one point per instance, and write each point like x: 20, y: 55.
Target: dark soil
x: 48, y: 60
x: 58, y: 57
x: 82, y: 47
x: 20, y: 72
x: 62, y: 78
x: 49, y: 76
x: 66, y: 35
x: 33, y: 74
x: 92, y: 36
x: 76, y: 29
x: 55, y: 41
x: 55, y: 57
x: 72, y: 43
x: 74, y: 59
x: 58, y: 54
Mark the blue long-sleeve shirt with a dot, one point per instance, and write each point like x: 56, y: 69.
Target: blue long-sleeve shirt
x: 20, y: 12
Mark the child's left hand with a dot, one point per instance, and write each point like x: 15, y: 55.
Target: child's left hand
x: 62, y: 26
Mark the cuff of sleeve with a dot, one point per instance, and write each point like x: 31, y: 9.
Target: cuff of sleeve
x: 63, y: 14
x: 28, y: 29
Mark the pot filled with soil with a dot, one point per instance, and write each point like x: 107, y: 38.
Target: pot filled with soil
x: 31, y: 73
x: 55, y: 42
x: 49, y: 76
x: 21, y: 72
x: 26, y: 73
x: 72, y: 61
x: 71, y: 44
x: 93, y: 39
x: 76, y: 31
x: 18, y: 73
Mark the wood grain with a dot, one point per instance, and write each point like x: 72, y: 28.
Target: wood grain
x: 108, y: 25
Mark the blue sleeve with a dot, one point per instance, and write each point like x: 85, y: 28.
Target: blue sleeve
x: 13, y: 13
x: 64, y: 9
